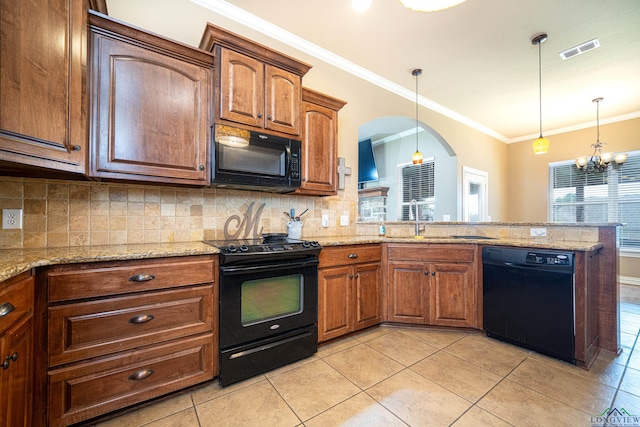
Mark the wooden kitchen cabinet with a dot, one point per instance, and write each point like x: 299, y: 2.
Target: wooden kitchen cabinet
x: 432, y: 284
x: 349, y: 290
x: 122, y: 332
x: 42, y: 85
x: 319, y: 143
x: 150, y: 106
x: 16, y: 350
x: 255, y: 86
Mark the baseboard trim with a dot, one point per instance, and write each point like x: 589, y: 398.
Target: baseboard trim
x: 629, y: 280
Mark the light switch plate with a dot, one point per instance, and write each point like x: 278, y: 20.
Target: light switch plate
x: 11, y: 218
x: 538, y: 232
x: 325, y: 221
x: 344, y: 220
x: 446, y: 217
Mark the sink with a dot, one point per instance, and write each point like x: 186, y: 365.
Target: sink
x: 474, y: 237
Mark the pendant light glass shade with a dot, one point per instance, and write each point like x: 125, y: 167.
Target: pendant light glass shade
x: 430, y: 5
x: 541, y: 144
x: 417, y: 156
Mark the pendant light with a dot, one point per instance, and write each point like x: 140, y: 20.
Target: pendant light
x: 417, y: 156
x: 599, y: 161
x: 541, y: 144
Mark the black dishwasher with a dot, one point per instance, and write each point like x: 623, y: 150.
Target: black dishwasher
x: 529, y: 299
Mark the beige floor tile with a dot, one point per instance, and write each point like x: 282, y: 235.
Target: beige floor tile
x: 630, y: 403
x: 313, y: 388
x: 291, y: 366
x: 328, y: 349
x: 401, y: 348
x: 495, y: 356
x: 371, y: 333
x: 435, y: 338
x: 634, y: 358
x: 604, y: 370
x: 523, y: 407
x: 363, y: 365
x: 463, y: 378
x: 587, y: 395
x: 360, y: 410
x: 477, y: 417
x: 148, y: 414
x: 418, y: 401
x: 213, y: 389
x: 186, y: 418
x: 258, y: 405
x: 631, y: 383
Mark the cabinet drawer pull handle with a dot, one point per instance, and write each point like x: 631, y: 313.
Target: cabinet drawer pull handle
x: 352, y: 256
x: 141, y: 277
x: 141, y: 375
x: 141, y: 318
x: 76, y: 148
x: 6, y: 308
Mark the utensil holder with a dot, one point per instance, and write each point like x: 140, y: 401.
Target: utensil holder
x: 294, y: 229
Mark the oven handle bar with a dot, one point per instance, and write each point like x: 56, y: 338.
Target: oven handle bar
x: 267, y: 267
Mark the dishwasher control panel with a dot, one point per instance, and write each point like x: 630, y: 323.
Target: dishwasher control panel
x: 548, y: 258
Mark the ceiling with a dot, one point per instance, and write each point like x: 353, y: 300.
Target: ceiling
x: 479, y: 65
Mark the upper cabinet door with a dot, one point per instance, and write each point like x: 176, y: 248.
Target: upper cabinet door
x: 149, y: 114
x: 283, y: 98
x: 42, y: 101
x: 241, y: 88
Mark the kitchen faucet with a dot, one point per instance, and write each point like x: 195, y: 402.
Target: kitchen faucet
x: 414, y: 202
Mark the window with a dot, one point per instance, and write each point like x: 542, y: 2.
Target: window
x: 417, y: 182
x: 611, y: 196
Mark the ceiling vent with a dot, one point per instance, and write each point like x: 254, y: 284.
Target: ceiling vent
x: 581, y: 48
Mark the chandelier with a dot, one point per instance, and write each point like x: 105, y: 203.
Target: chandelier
x: 429, y: 5
x: 599, y: 161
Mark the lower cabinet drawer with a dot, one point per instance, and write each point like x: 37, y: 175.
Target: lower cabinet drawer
x: 95, y: 328
x: 89, y: 389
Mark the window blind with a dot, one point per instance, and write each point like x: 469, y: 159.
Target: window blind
x: 599, y: 197
x: 418, y: 183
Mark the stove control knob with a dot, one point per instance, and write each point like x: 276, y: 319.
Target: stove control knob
x: 244, y: 248
x: 306, y: 244
x: 315, y: 244
x: 231, y: 248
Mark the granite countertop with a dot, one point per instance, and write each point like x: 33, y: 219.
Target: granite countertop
x: 16, y: 261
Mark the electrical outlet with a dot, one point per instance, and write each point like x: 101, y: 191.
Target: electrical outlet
x: 11, y: 218
x: 344, y: 220
x: 325, y: 221
x: 538, y: 232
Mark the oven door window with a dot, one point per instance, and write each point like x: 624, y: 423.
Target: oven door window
x: 258, y: 159
x: 271, y: 298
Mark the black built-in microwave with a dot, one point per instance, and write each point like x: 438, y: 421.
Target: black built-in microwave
x: 267, y: 163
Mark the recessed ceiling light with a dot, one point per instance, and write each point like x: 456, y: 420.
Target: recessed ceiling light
x: 581, y: 48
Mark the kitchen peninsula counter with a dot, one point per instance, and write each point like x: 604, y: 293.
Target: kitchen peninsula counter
x: 16, y: 261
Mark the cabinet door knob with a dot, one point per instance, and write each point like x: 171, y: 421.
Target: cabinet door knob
x: 141, y: 318
x: 426, y: 273
x: 76, y: 148
x: 433, y: 273
x: 352, y: 256
x: 269, y: 117
x: 357, y: 275
x: 141, y: 277
x: 6, y: 308
x: 141, y: 375
x: 5, y: 364
x: 259, y: 115
x: 201, y: 167
x: 351, y: 276
x: 14, y: 356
